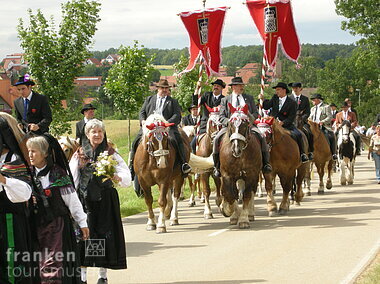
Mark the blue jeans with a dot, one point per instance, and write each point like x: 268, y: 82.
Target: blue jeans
x: 376, y: 157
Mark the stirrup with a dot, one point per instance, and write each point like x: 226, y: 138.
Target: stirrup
x: 334, y: 157
x: 186, y: 168
x: 311, y: 156
x: 216, y: 172
x: 304, y: 158
x: 267, y: 169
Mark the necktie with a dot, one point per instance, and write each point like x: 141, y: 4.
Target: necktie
x: 26, y: 105
x: 160, y: 103
x: 298, y: 100
x: 315, y: 114
x: 237, y: 101
x: 280, y: 105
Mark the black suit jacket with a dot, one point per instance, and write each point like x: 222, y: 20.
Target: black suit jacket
x: 188, y: 120
x: 225, y: 111
x: 303, y: 106
x: 171, y: 110
x: 287, y: 114
x: 39, y: 112
x: 207, y: 98
x: 378, y: 118
x: 80, y: 129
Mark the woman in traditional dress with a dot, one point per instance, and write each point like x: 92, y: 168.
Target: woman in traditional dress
x: 101, y: 201
x: 374, y: 150
x: 15, y: 191
x: 56, y: 202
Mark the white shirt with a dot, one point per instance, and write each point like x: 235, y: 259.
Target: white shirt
x: 317, y: 115
x: 71, y: 200
x: 281, y: 102
x: 160, y: 104
x: 234, y: 100
x: 345, y: 114
x: 216, y: 97
x: 15, y: 189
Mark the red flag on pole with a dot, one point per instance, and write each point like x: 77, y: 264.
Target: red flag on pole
x: 274, y: 20
x: 205, y: 30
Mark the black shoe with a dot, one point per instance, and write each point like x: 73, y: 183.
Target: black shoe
x: 334, y: 157
x: 216, y: 172
x: 267, y: 169
x: 102, y: 281
x: 304, y: 158
x: 83, y: 282
x: 358, y: 153
x: 311, y: 156
x: 186, y: 168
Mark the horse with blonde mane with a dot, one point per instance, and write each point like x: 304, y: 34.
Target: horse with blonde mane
x: 69, y: 146
x: 155, y: 163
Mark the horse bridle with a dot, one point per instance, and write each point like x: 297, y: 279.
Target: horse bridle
x: 213, y: 118
x: 158, y: 132
x: 237, y: 120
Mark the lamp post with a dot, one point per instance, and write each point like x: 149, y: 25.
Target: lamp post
x: 358, y: 90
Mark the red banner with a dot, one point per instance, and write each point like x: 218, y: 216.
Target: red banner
x: 205, y: 31
x: 274, y: 20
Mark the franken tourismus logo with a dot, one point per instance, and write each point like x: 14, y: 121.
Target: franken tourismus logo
x: 95, y: 247
x: 270, y: 20
x: 203, y: 30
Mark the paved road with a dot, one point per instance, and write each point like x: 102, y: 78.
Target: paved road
x: 327, y: 239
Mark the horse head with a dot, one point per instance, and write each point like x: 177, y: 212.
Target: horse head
x: 299, y: 119
x: 345, y: 131
x: 68, y: 145
x: 156, y: 133
x: 213, y: 124
x: 238, y: 129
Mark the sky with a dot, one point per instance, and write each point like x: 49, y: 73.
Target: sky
x: 155, y: 24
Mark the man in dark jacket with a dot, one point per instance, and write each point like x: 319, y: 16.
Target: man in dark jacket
x: 88, y: 111
x: 32, y: 109
x: 303, y: 107
x: 284, y: 109
x: 191, y: 119
x: 239, y: 98
x: 162, y: 103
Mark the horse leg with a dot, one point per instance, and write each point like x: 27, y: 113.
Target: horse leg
x: 217, y: 182
x: 192, y: 190
x: 177, y: 185
x: 162, y: 201
x: 271, y: 202
x: 329, y: 172
x: 286, y: 183
x: 342, y: 172
x: 321, y: 173
x: 207, y: 214
x: 151, y: 224
x: 301, y: 172
x: 169, y: 204
x: 236, y: 213
x: 307, y: 179
x: 248, y: 200
x: 350, y: 178
x: 260, y: 188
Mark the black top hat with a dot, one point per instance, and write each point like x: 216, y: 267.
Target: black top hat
x: 236, y: 81
x: 282, y: 85
x: 25, y: 80
x: 87, y: 107
x: 333, y: 105
x: 192, y: 106
x: 219, y: 82
x: 316, y: 96
x: 295, y: 85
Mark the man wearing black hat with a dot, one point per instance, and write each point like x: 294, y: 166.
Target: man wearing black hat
x: 236, y: 99
x: 303, y: 108
x: 285, y: 110
x: 191, y: 119
x: 88, y: 111
x: 321, y: 113
x: 32, y: 109
x: 161, y: 103
x: 333, y: 111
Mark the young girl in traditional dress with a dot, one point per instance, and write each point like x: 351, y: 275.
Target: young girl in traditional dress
x: 56, y: 203
x: 101, y: 200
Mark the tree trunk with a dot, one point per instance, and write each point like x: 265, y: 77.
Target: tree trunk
x: 129, y: 134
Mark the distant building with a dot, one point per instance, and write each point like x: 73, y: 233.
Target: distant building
x: 248, y: 71
x: 14, y: 61
x: 110, y: 59
x: 88, y: 81
x: 92, y: 61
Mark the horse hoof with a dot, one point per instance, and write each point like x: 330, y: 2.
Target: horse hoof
x: 181, y: 198
x: 174, y: 222
x: 233, y: 221
x: 298, y: 203
x: 320, y: 192
x: 251, y: 218
x: 151, y: 227
x: 272, y: 213
x: 244, y: 225
x: 350, y: 183
x: 274, y: 192
x: 208, y: 216
x: 161, y: 230
x: 282, y: 212
x: 192, y: 204
x: 202, y: 200
x: 308, y: 193
x: 329, y: 186
x: 342, y: 183
x: 240, y: 201
x: 218, y: 201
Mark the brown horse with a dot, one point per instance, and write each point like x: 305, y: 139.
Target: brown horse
x: 240, y: 165
x: 322, y: 156
x: 154, y: 163
x: 204, y: 149
x: 68, y: 145
x: 285, y: 161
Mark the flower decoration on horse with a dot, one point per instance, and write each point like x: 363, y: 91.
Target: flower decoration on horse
x: 105, y: 165
x: 239, y: 114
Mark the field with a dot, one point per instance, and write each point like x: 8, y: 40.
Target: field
x: 165, y: 70
x: 117, y: 131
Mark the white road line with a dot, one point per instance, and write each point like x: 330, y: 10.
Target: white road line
x: 359, y: 268
x: 218, y: 232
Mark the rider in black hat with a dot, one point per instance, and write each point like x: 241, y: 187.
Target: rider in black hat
x: 88, y: 111
x: 32, y: 109
x: 284, y: 109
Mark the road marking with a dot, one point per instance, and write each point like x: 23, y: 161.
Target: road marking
x: 218, y: 232
x: 359, y: 268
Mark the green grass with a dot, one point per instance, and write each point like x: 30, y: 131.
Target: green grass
x: 372, y: 274
x: 166, y: 72
x: 117, y: 131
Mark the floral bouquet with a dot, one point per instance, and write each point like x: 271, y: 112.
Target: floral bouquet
x: 105, y: 165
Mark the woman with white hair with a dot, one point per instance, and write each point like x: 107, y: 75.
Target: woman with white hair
x: 55, y: 203
x: 101, y: 200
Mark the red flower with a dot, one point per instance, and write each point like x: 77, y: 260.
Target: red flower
x: 284, y: 113
x: 34, y: 110
x: 47, y: 192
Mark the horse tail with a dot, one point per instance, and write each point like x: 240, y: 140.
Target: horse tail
x: 201, y: 163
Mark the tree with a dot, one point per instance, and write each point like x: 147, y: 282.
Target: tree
x: 363, y: 19
x: 55, y: 57
x: 127, y: 83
